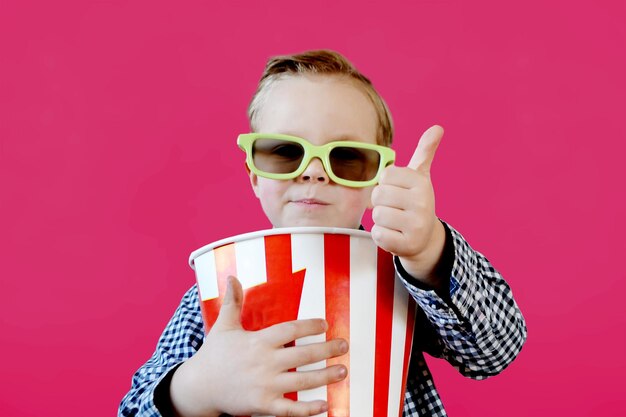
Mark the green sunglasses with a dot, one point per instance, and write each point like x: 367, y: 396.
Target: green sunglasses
x: 284, y: 157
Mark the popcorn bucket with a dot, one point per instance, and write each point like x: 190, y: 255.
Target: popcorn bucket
x: 336, y: 274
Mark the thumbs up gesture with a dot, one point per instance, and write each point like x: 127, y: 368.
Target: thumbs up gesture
x: 404, y: 217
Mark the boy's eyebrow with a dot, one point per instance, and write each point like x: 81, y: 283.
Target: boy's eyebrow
x: 337, y: 138
x: 347, y: 137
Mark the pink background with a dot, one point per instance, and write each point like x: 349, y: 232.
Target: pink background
x: 117, y: 159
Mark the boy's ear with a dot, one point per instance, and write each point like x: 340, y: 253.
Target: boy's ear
x: 254, y: 181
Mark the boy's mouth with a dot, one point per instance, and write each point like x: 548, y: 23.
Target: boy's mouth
x: 310, y: 202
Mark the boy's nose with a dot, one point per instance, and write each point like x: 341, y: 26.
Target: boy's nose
x: 314, y: 172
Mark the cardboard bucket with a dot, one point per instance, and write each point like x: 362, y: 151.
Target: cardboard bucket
x: 336, y: 274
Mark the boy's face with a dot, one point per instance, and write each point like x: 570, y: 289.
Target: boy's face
x: 320, y: 109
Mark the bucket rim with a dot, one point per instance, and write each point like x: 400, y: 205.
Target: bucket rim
x: 301, y: 230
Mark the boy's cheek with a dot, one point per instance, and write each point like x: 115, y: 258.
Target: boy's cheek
x: 368, y: 196
x: 370, y: 205
x: 266, y: 190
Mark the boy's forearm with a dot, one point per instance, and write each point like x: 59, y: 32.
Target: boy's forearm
x: 424, y: 266
x: 477, y: 319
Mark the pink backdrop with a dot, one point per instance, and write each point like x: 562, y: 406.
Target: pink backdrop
x: 117, y: 159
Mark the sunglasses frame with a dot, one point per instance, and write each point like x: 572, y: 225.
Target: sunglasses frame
x: 322, y: 152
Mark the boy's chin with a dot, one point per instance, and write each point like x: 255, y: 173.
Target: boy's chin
x: 312, y: 222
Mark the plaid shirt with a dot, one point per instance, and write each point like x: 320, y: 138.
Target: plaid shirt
x: 476, y: 326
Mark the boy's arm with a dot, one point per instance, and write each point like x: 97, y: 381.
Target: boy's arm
x: 232, y: 370
x: 472, y: 310
x: 181, y: 338
x: 479, y: 325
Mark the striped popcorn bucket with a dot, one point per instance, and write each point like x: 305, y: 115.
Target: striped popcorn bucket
x: 336, y: 274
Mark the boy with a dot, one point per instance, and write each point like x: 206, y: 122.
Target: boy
x: 466, y: 313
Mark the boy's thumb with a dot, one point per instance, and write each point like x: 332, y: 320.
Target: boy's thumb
x: 230, y: 312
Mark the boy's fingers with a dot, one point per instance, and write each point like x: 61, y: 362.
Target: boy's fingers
x: 296, y: 356
x: 426, y: 148
x: 286, y: 407
x: 304, y: 380
x: 230, y: 312
x: 395, y: 196
x: 402, y: 177
x: 392, y: 218
x: 388, y: 239
x: 283, y: 333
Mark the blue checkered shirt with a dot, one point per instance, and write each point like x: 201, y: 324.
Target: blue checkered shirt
x: 475, y: 325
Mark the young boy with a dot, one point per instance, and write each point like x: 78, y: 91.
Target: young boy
x: 466, y: 313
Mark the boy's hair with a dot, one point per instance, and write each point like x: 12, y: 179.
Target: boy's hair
x: 320, y: 62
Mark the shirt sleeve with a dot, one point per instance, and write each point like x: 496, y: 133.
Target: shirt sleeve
x: 475, y: 324
x: 181, y: 338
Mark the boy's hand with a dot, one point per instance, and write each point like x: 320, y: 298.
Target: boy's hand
x: 246, y: 373
x: 404, y: 217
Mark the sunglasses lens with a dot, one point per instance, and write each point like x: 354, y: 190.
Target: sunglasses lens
x: 354, y: 164
x: 277, y: 156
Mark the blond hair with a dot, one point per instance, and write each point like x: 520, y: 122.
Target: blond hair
x: 320, y: 62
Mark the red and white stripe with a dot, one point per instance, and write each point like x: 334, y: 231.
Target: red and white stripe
x: 372, y: 310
